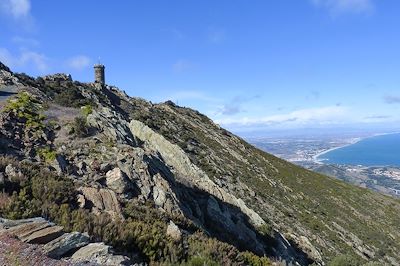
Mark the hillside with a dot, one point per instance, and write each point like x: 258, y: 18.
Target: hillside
x: 164, y: 184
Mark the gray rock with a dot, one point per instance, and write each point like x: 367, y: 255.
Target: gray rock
x: 6, y: 223
x: 99, y: 253
x: 185, y: 169
x: 2, y: 179
x: 65, y: 243
x: 12, y: 173
x: 102, y: 200
x: 23, y: 231
x: 60, y: 164
x: 118, y: 181
x: 112, y: 125
x: 44, y: 235
x: 173, y: 231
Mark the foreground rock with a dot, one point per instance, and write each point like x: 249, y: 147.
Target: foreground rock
x: 99, y: 253
x: 74, y: 247
x: 60, y: 246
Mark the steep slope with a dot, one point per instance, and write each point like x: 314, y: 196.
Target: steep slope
x: 322, y: 215
x: 124, y: 154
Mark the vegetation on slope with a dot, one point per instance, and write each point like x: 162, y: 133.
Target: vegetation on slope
x: 337, y: 218
x: 34, y: 190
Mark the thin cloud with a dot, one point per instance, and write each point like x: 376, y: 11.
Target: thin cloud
x: 16, y: 8
x: 78, y: 62
x: 25, y: 42
x: 235, y: 106
x: 323, y: 115
x: 337, y: 7
x: 216, y: 35
x: 25, y: 58
x: 181, y: 66
x: 391, y: 99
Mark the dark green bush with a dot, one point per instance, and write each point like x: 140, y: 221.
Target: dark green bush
x: 71, y: 97
x: 80, y: 127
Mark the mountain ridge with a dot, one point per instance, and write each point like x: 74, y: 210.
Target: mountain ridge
x: 188, y: 166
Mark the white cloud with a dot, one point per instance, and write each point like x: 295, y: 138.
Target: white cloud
x: 25, y: 58
x: 323, y: 115
x: 392, y: 99
x: 78, y: 62
x: 181, y: 65
x: 25, y: 42
x: 336, y: 7
x: 16, y: 8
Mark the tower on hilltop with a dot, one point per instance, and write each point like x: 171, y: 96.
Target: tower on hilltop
x: 99, y: 76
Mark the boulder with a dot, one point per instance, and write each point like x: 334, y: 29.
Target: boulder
x: 173, y: 231
x: 5, y: 223
x: 65, y: 243
x: 12, y: 173
x: 23, y: 231
x: 117, y: 181
x: 44, y: 235
x: 101, y: 199
x: 99, y: 253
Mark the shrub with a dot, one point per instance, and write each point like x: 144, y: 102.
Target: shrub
x: 86, y: 110
x: 345, y: 260
x: 25, y: 107
x: 47, y: 154
x: 79, y: 127
x: 71, y: 97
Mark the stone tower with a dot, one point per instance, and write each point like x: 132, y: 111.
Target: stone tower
x: 99, y: 74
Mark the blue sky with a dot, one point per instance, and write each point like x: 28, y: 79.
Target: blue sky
x: 248, y: 64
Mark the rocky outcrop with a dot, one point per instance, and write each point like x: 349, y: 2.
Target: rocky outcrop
x: 60, y: 246
x: 44, y: 235
x: 117, y: 181
x: 73, y: 247
x: 112, y: 125
x: 173, y: 231
x: 58, y: 77
x: 4, y: 67
x: 99, y: 253
x: 100, y: 200
x: 175, y: 157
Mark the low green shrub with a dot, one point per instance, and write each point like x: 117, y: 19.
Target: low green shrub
x: 47, y: 154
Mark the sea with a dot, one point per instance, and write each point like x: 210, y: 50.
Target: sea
x: 381, y: 150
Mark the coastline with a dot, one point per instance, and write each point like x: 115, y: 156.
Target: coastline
x: 351, y: 142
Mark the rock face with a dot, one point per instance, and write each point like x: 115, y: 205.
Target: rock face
x: 174, y: 231
x: 58, y: 77
x: 101, y: 200
x: 112, y: 125
x: 42, y: 232
x: 44, y: 235
x: 99, y: 253
x: 65, y: 243
x: 117, y: 181
x: 183, y: 168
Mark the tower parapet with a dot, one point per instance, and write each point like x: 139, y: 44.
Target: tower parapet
x: 99, y: 75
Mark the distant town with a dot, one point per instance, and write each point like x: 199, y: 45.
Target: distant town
x: 304, y: 152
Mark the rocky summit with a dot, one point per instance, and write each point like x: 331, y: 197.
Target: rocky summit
x: 117, y: 180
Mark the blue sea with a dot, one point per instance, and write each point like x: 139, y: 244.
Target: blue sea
x: 383, y: 150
